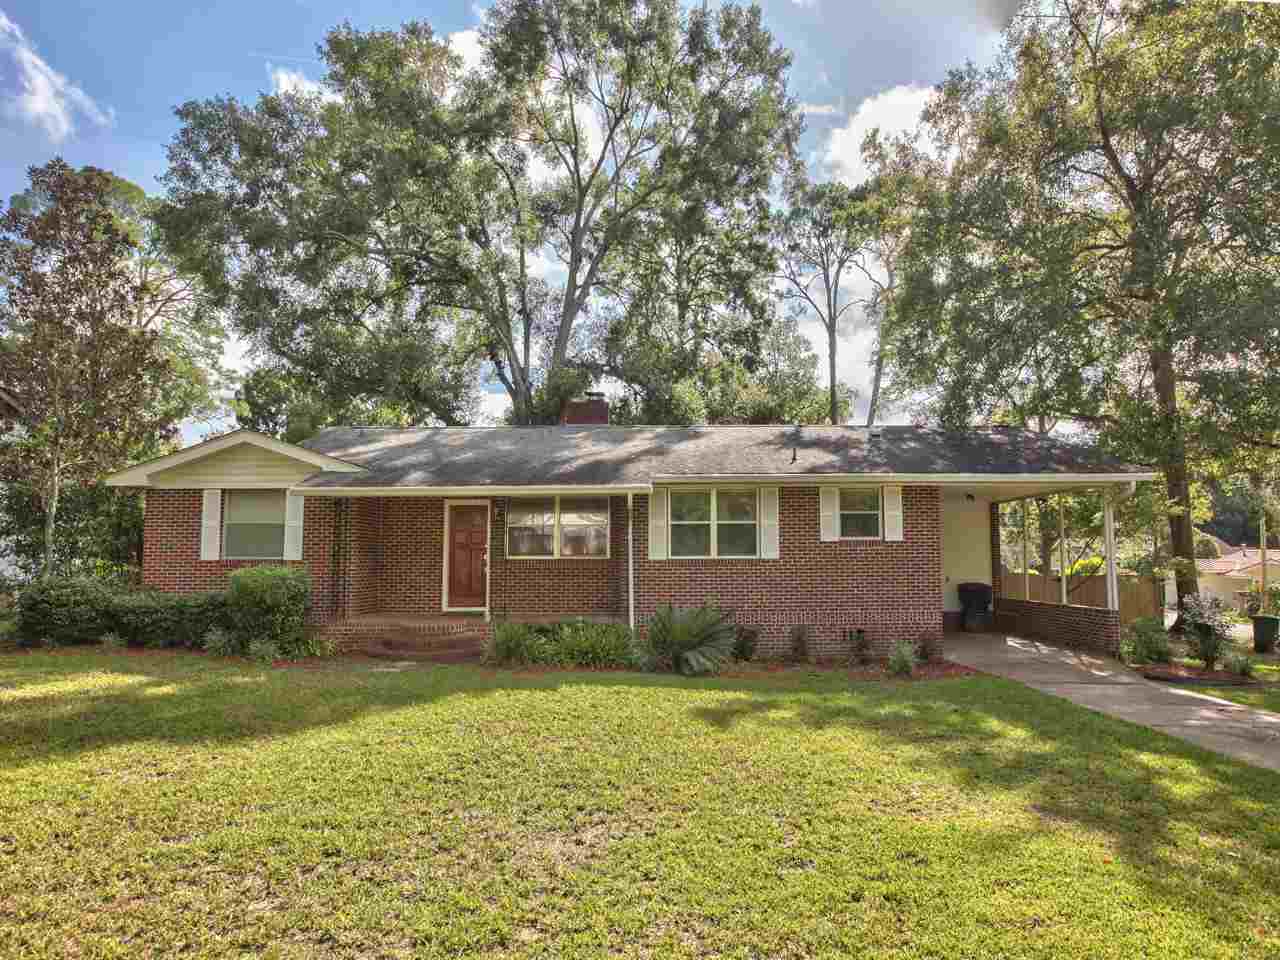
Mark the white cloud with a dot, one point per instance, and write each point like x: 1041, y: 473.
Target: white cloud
x: 822, y: 109
x: 44, y: 97
x: 466, y: 44
x: 893, y: 111
x: 284, y: 80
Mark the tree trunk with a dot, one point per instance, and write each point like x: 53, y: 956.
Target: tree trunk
x: 1182, y: 546
x: 831, y: 364
x: 877, y: 376
x: 50, y: 517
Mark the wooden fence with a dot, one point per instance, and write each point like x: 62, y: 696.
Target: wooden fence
x: 1139, y: 596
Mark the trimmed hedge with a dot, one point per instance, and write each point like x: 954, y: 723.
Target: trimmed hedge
x: 267, y: 607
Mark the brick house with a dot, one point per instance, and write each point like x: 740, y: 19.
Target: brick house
x: 438, y: 532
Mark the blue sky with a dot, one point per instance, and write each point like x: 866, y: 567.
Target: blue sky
x: 97, y: 82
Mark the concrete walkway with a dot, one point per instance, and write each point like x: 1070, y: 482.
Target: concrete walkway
x: 1111, y: 688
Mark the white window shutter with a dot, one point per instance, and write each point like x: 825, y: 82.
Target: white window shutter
x: 893, y: 532
x: 829, y: 512
x: 769, y: 523
x: 211, y: 526
x: 658, y: 525
x: 294, y: 507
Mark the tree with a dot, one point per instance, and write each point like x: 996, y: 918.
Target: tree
x: 270, y: 400
x: 93, y: 386
x: 819, y: 240
x: 1105, y: 242
x: 412, y: 215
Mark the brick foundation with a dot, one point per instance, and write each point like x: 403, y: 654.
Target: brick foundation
x: 1082, y: 628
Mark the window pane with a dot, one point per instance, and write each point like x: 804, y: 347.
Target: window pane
x: 694, y: 507
x: 532, y: 513
x: 860, y: 525
x: 867, y: 499
x: 583, y: 541
x: 584, y: 510
x: 529, y: 542
x: 255, y: 506
x: 254, y: 541
x: 736, y: 539
x: 691, y: 540
x: 736, y: 505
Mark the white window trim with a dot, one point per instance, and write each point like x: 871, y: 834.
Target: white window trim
x: 878, y: 514
x: 714, y: 523
x: 555, y: 537
x: 284, y: 521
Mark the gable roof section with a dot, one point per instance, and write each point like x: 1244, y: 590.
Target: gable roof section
x: 143, y: 474
x: 636, y: 457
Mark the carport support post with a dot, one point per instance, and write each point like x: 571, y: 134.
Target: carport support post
x: 1062, y: 552
x: 631, y: 562
x: 1109, y: 537
x: 1026, y: 565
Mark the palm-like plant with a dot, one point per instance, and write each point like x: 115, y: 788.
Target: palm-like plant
x: 695, y: 642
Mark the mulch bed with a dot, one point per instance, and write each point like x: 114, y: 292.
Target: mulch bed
x: 1181, y: 673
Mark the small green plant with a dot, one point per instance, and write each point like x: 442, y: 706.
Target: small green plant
x: 1240, y: 664
x: 1208, y: 631
x: 113, y: 641
x: 221, y: 642
x: 596, y: 645
x: 746, y: 640
x: 801, y: 636
x: 693, y: 642
x: 268, y: 606
x: 860, y: 646
x: 902, y: 661
x: 265, y: 650
x: 928, y: 649
x: 1146, y: 641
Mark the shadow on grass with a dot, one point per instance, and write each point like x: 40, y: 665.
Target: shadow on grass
x: 1185, y: 816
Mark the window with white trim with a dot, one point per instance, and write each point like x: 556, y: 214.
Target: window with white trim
x: 860, y: 513
x: 719, y: 522
x: 564, y: 527
x: 253, y: 525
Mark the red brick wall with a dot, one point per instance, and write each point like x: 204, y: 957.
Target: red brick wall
x: 412, y: 568
x: 1086, y: 628
x: 893, y: 591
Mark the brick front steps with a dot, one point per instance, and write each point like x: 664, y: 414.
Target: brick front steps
x: 429, y: 648
x: 409, y: 638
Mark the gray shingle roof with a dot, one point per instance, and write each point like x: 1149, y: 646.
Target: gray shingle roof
x: 600, y: 456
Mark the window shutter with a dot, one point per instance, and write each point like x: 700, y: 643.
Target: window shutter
x: 769, y: 523
x: 211, y: 526
x: 893, y: 514
x: 294, y: 507
x: 658, y: 525
x: 829, y: 512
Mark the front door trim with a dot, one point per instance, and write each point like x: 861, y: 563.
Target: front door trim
x: 448, y: 544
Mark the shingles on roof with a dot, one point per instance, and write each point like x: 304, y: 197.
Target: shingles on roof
x: 602, y: 456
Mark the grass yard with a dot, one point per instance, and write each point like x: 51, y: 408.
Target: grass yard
x: 168, y: 804
x: 1266, y: 696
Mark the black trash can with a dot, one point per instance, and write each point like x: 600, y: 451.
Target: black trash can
x: 975, y: 601
x: 1265, y: 631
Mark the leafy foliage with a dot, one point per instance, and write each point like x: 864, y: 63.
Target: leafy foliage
x: 1146, y: 641
x: 694, y: 642
x: 1242, y: 665
x: 801, y: 635
x: 860, y: 645
x: 746, y: 639
x: 571, y: 643
x: 63, y: 611
x: 1208, y: 628
x: 97, y: 532
x: 267, y: 607
x: 902, y: 659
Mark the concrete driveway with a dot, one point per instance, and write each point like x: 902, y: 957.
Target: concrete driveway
x: 1111, y: 688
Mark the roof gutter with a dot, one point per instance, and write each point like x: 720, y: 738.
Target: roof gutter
x: 931, y: 479
x: 486, y: 490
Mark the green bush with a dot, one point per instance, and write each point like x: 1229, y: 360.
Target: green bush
x: 745, y: 641
x: 1146, y: 641
x: 221, y: 642
x: 572, y: 643
x: 161, y: 620
x: 928, y: 649
x: 267, y: 609
x: 860, y: 645
x: 902, y: 661
x: 1240, y: 664
x: 693, y: 642
x: 801, y: 635
x: 1208, y: 631
x: 62, y: 611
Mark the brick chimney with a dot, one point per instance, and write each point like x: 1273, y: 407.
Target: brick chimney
x: 590, y: 409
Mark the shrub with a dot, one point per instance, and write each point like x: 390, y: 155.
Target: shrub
x: 694, y: 642
x: 268, y: 606
x: 860, y: 644
x: 1240, y: 664
x: 902, y: 660
x: 63, y: 611
x: 746, y: 639
x: 1208, y: 631
x: 265, y: 650
x: 221, y: 642
x: 597, y: 645
x: 928, y: 649
x: 1146, y: 641
x: 801, y: 634
x: 113, y: 641
x: 160, y: 620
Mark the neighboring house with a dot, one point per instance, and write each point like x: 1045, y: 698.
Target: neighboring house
x: 1234, y: 574
x: 443, y: 530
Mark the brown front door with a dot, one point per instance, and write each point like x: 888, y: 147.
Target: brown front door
x: 468, y: 547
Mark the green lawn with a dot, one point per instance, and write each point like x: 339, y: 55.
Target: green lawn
x: 1266, y: 696
x: 168, y: 804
